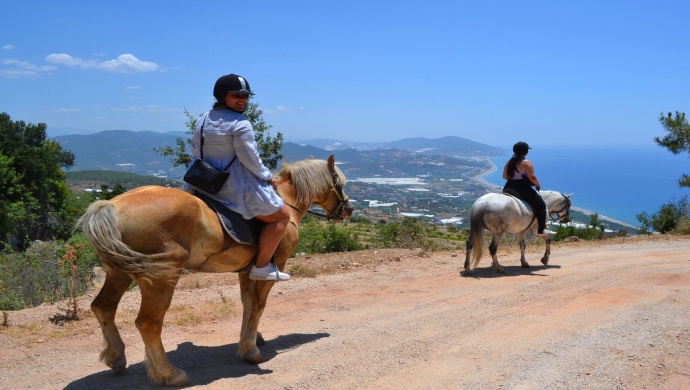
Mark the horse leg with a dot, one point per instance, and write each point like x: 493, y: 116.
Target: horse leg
x: 468, y: 251
x: 547, y: 253
x: 493, y: 249
x: 254, y: 294
x: 156, y: 296
x: 104, y: 307
x: 523, y: 245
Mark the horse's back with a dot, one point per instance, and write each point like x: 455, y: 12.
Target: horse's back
x: 154, y: 219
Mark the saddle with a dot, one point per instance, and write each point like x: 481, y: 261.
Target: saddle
x: 239, y: 229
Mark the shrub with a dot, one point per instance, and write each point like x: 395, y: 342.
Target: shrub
x: 38, y: 275
x: 408, y: 233
x: 320, y: 237
x: 671, y: 216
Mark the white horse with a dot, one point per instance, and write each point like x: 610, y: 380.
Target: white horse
x: 500, y: 214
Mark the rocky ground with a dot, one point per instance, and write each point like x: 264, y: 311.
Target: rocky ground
x: 602, y: 315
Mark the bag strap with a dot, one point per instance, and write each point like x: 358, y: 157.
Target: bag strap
x: 201, y: 147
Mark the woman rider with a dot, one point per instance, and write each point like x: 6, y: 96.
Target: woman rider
x: 250, y: 189
x: 519, y: 173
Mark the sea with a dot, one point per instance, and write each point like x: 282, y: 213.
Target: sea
x: 616, y: 182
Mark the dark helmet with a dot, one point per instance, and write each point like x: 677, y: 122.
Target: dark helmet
x: 521, y: 148
x: 230, y: 83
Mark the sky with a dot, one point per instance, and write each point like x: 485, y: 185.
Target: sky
x: 496, y: 72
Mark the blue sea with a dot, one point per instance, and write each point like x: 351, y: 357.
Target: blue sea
x: 615, y: 182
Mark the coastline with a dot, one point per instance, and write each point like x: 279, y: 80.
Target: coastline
x: 479, y: 179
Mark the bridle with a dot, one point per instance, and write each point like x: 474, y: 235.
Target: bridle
x: 556, y: 215
x: 336, y: 212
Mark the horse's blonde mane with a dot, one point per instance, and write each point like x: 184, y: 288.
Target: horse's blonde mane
x: 310, y: 178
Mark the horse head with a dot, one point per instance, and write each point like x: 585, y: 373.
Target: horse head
x: 559, y: 206
x: 320, y: 183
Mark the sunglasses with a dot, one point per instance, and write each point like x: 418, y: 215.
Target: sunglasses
x: 239, y: 95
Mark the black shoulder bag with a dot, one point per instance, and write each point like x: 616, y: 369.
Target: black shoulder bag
x: 203, y: 175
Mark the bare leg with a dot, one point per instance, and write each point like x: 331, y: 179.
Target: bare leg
x: 271, y: 234
x: 104, y: 308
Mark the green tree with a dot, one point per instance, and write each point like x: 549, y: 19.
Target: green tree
x: 33, y: 187
x: 268, y: 146
x: 669, y: 217
x: 678, y: 138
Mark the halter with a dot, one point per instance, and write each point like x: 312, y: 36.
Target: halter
x: 555, y: 215
x: 336, y: 213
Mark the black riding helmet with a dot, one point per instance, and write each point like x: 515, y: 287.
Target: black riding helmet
x: 230, y: 83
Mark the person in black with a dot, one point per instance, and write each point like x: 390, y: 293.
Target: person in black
x: 519, y: 173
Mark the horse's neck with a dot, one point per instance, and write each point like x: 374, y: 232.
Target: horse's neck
x: 297, y: 211
x: 549, y: 198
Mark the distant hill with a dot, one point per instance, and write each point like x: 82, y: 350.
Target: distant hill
x: 95, y: 178
x: 123, y: 150
x: 445, y: 146
x: 132, y: 151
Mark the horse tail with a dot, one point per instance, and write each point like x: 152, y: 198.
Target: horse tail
x: 477, y: 231
x: 99, y: 224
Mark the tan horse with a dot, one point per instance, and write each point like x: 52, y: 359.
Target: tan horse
x: 150, y: 234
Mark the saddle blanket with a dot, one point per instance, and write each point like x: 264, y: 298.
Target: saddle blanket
x: 241, y: 230
x: 524, y: 206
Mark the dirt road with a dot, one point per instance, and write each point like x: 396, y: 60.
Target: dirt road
x: 611, y: 315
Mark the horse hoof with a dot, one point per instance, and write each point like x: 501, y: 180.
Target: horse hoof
x: 256, y: 359
x: 178, y: 380
x: 545, y: 261
x: 119, y: 366
x: 525, y: 265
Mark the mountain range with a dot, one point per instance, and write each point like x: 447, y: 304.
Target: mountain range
x: 132, y: 151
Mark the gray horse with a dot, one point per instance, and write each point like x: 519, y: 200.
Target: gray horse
x: 500, y: 214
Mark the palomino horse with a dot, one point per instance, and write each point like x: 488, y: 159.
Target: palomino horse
x: 502, y: 214
x: 150, y: 234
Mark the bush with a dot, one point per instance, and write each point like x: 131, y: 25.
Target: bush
x: 325, y: 237
x: 408, y: 233
x: 672, y: 216
x: 593, y: 231
x: 39, y: 274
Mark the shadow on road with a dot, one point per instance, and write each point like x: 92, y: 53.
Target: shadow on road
x: 203, y: 365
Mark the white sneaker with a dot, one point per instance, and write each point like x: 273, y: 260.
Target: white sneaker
x: 546, y: 233
x: 269, y: 273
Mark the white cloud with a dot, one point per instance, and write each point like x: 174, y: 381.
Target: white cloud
x: 18, y: 69
x: 67, y: 109
x: 132, y: 87
x: 125, y: 63
x: 9, y: 47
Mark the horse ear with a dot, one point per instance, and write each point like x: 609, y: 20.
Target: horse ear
x: 331, y: 161
x: 569, y: 195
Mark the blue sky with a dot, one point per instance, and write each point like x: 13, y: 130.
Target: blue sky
x: 546, y: 72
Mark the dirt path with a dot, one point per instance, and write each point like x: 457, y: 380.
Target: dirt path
x: 610, y: 315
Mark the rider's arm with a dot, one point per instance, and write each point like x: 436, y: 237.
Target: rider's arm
x: 528, y: 168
